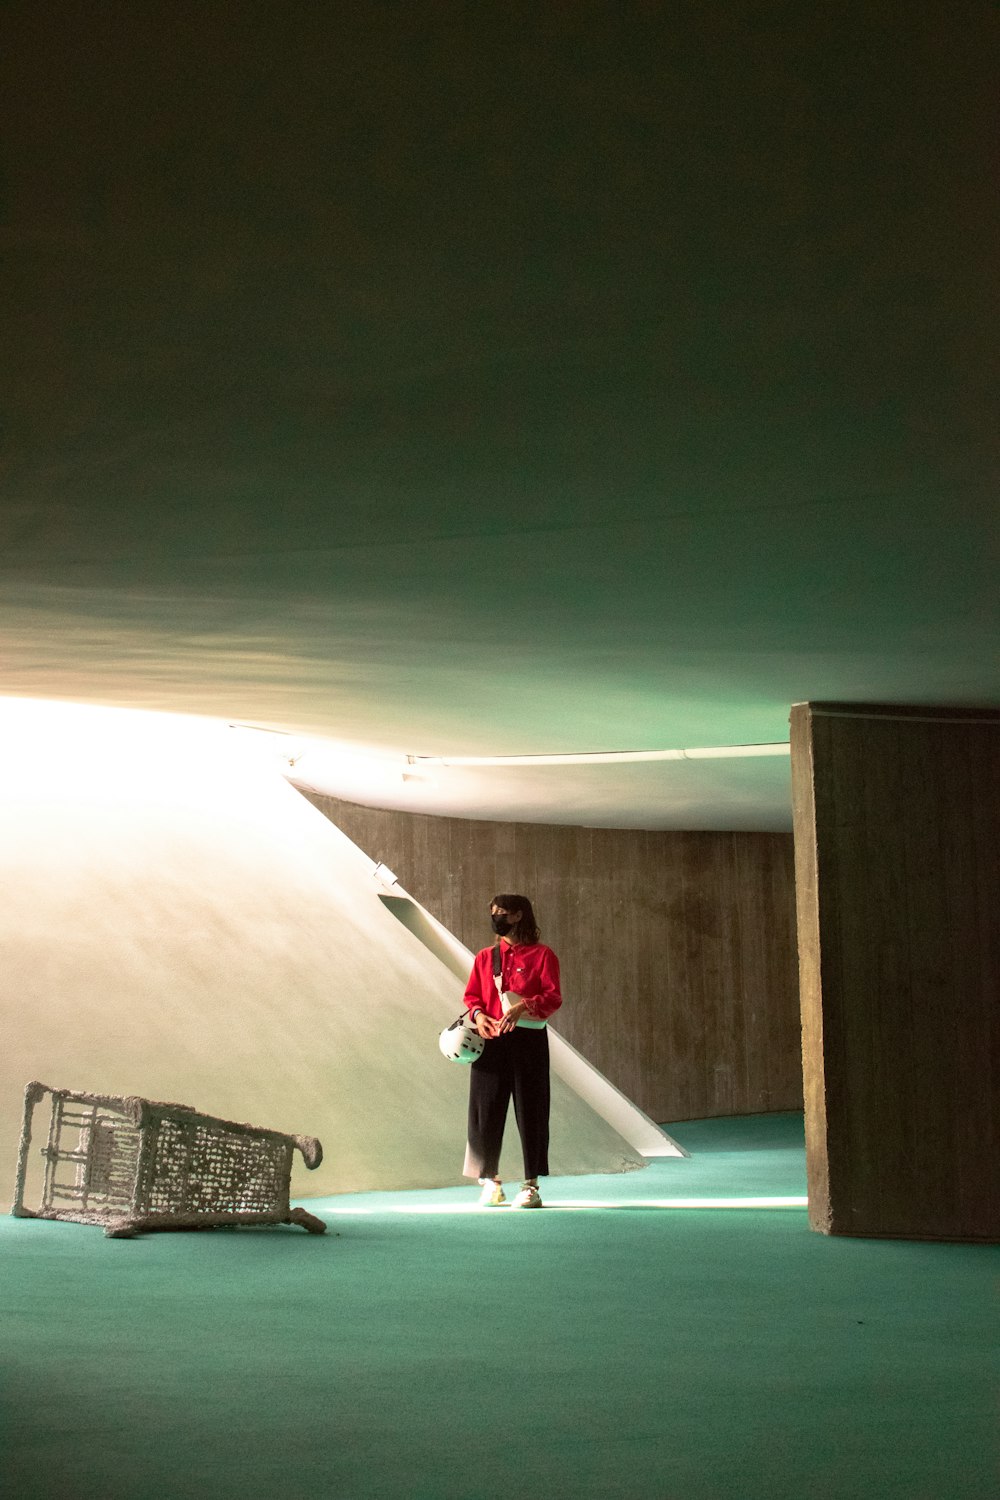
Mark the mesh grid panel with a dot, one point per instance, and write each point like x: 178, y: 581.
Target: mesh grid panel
x: 203, y: 1168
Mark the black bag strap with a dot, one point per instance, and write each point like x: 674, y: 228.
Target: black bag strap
x: 497, y: 967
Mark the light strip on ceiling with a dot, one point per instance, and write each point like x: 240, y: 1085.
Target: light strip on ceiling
x: 602, y: 757
x: 292, y: 748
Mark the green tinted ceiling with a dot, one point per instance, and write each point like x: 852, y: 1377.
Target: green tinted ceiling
x: 500, y: 377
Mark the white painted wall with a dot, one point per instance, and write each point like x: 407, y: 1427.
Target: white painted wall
x: 178, y: 922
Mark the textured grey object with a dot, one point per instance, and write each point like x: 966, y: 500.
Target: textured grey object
x: 137, y: 1164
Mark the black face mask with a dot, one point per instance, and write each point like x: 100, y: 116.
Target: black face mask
x: 501, y: 926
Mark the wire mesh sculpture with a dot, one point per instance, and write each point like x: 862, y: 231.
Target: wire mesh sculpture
x: 131, y: 1164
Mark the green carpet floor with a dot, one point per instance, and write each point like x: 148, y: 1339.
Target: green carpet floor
x: 420, y: 1351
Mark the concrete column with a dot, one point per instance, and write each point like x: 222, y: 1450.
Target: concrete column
x: 897, y: 850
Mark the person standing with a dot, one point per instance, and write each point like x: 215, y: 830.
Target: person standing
x: 511, y: 1017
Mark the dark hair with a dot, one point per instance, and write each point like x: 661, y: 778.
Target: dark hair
x: 525, y: 931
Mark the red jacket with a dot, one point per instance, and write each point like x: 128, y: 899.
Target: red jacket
x: 528, y: 969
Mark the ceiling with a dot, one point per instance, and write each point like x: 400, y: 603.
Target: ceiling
x: 502, y: 378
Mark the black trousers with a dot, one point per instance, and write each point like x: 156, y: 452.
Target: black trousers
x: 516, y: 1063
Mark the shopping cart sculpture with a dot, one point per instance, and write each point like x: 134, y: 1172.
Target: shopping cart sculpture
x: 131, y: 1164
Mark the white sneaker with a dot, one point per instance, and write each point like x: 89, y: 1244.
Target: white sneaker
x: 492, y: 1194
x: 528, y: 1197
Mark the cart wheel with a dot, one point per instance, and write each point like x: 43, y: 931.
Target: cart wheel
x: 120, y: 1229
x: 308, y: 1221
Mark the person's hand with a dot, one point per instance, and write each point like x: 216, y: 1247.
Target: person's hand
x: 513, y: 1015
x: 485, y: 1025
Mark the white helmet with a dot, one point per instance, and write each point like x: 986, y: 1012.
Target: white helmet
x: 461, y: 1042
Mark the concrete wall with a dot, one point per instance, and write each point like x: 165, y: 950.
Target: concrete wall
x: 677, y: 949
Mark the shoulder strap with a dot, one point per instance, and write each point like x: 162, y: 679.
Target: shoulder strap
x: 497, y: 968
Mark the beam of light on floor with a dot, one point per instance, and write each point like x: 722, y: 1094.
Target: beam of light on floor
x: 574, y: 1204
